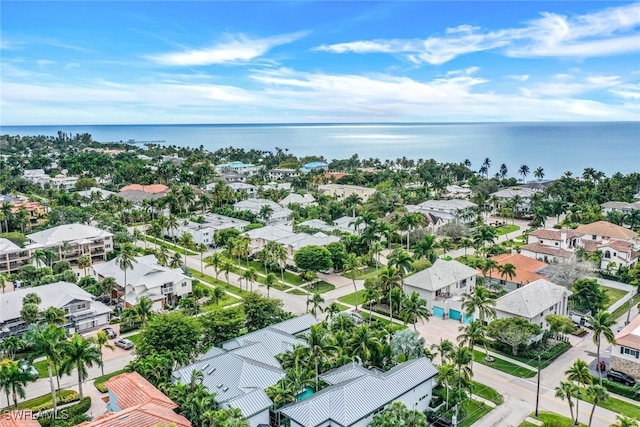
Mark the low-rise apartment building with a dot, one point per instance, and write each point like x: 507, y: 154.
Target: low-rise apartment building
x: 72, y: 241
x: 341, y: 192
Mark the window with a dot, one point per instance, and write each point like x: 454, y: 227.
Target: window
x: 607, y: 254
x: 184, y: 284
x: 631, y: 352
x: 81, y: 306
x: 594, y: 237
x: 556, y: 243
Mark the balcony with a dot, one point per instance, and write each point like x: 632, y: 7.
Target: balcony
x: 167, y: 290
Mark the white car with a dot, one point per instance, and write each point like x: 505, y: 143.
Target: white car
x: 25, y: 366
x: 124, y: 343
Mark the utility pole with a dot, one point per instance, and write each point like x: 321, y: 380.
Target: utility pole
x: 538, y: 389
x: 630, y: 303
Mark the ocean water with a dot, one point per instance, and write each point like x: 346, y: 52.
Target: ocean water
x: 557, y: 147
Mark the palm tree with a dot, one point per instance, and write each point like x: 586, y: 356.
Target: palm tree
x: 480, y: 300
x: 371, y: 295
x: 507, y: 270
x: 623, y: 421
x: 504, y: 171
x: 579, y: 372
x: 11, y: 345
x: 390, y: 279
x: 39, y: 257
x: 351, y: 265
x: 84, y: 262
x: 539, y: 173
x: 461, y: 357
x: 227, y: 266
x: 402, y: 261
x: 46, y: 341
x: 125, y: 262
x: 202, y: 248
x: 54, y: 316
x: 376, y: 248
x: 446, y: 244
x: 473, y: 334
x: 265, y: 213
x: 319, y: 347
x: 162, y: 255
x: 332, y: 310
x: 601, y: 325
x: 3, y: 281
x: 175, y: 261
x: 80, y: 353
x: 215, y: 260
x: 487, y: 165
x: 446, y: 377
x: 567, y: 390
x: 269, y: 281
x: 415, y: 308
x: 107, y: 286
x: 13, y: 379
x: 144, y: 309
x: 363, y: 343
x: 186, y: 241
x: 599, y: 394
x: 217, y: 294
x: 250, y: 276
x: 524, y: 171
x: 316, y: 303
x: 279, y: 255
x: 102, y: 341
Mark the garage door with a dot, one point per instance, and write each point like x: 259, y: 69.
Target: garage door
x: 454, y: 314
x: 467, y: 319
x: 438, y: 311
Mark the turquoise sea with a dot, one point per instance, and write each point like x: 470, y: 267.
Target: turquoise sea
x: 557, y: 147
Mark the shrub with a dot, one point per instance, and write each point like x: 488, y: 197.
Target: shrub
x: 46, y: 419
x: 620, y: 389
x: 71, y: 397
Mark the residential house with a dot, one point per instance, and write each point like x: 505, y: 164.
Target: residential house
x: 616, y: 253
x: 36, y: 213
x: 279, y: 214
x: 37, y: 176
x: 440, y: 212
x: 622, y: 207
x: 286, y: 186
x: 552, y: 245
x: 238, y: 167
x: 81, y: 311
x: 203, y: 232
x: 163, y: 285
x: 616, y: 243
x: 241, y: 189
x: 534, y: 302
x: 63, y: 182
x: 314, y: 166
x: 283, y: 173
x: 341, y: 192
x: 458, y: 192
x: 354, y: 395
x: 508, y: 194
x: 73, y: 241
x: 241, y: 369
x: 441, y: 285
x: 5, y: 198
x: 96, y: 192
x: 303, y: 200
x: 12, y: 256
x: 602, y: 231
x: 136, y: 193
x: 230, y: 177
x: 625, y: 355
x: 134, y: 402
x: 285, y: 236
x: 527, y: 270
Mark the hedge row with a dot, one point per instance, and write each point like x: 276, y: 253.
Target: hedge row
x: 620, y: 389
x: 61, y: 400
x: 47, y: 419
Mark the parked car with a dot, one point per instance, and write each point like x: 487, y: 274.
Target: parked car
x: 26, y: 366
x: 111, y: 333
x: 124, y: 343
x: 621, y: 377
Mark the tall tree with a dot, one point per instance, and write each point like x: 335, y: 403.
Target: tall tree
x: 215, y: 261
x: 480, y: 300
x: 80, y: 353
x: 102, y: 341
x: 579, y: 372
x: 125, y: 262
x: 351, y: 266
x: 415, y: 308
x: 13, y: 379
x: 524, y: 171
x: 602, y: 324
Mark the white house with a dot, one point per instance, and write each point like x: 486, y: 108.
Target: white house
x: 534, y: 302
x: 622, y: 207
x: 241, y: 369
x: 341, y: 192
x: 441, y: 285
x: 355, y: 394
x: 204, y: 232
x: 303, y: 200
x: 81, y: 311
x: 243, y: 188
x: 507, y: 194
x: 283, y: 173
x: 238, y: 167
x: 279, y: 214
x: 79, y: 239
x: 445, y: 210
x: 625, y: 356
x: 147, y: 278
x: 285, y: 236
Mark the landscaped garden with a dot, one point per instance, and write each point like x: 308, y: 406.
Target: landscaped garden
x: 320, y: 287
x: 613, y: 294
x: 503, y: 365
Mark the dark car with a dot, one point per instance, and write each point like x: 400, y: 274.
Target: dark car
x: 621, y: 377
x: 111, y: 333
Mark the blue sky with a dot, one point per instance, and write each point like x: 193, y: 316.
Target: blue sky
x: 303, y: 61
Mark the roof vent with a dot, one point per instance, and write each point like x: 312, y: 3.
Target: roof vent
x: 204, y: 368
x: 211, y: 371
x: 225, y: 389
x: 220, y: 385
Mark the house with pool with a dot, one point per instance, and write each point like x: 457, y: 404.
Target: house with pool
x: 442, y: 286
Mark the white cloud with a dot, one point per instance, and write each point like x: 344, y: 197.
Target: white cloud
x: 520, y: 77
x: 238, y: 48
x: 628, y: 91
x: 552, y: 35
x: 569, y: 86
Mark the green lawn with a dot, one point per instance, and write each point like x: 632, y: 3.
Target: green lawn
x: 218, y: 283
x: 622, y: 310
x: 505, y: 229
x: 487, y: 392
x: 616, y: 405
x: 41, y: 366
x: 321, y: 287
x: 288, y: 276
x: 99, y: 382
x: 503, y: 365
x: 170, y: 246
x: 296, y: 291
x: 351, y: 298
x: 614, y: 295
x: 27, y: 404
x: 474, y: 411
x: 135, y: 338
x: 364, y: 274
x: 551, y: 418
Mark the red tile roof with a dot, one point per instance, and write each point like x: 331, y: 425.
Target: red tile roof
x: 547, y: 250
x: 133, y: 389
x: 630, y: 335
x: 554, y: 234
x: 24, y: 418
x: 521, y: 262
x: 139, y: 416
x: 153, y: 189
x: 607, y: 229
